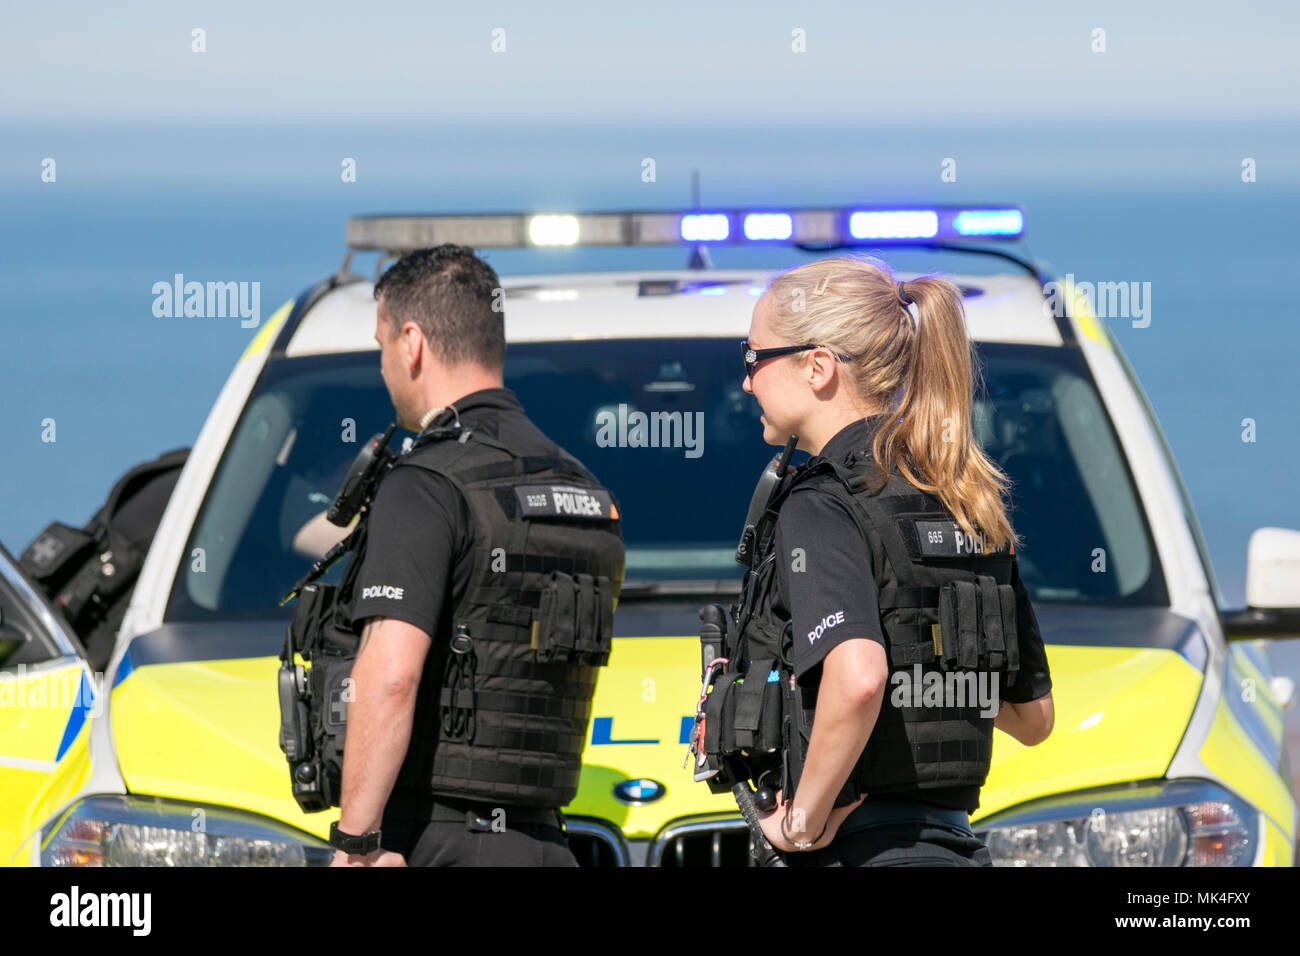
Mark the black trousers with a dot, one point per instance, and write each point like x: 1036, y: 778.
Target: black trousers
x: 444, y: 832
x: 898, y: 844
x: 892, y: 831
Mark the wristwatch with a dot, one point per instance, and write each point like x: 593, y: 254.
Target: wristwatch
x: 351, y: 843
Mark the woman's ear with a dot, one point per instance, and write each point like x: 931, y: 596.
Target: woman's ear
x: 821, y: 368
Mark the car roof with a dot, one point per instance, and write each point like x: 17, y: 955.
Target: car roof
x: 682, y: 303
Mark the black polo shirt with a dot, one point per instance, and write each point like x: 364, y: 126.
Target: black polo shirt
x: 827, y: 588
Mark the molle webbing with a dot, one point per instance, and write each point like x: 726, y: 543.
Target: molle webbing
x: 513, y: 691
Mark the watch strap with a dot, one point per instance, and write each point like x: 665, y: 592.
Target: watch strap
x: 353, y: 843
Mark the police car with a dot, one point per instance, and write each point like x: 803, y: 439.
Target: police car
x: 1167, y: 747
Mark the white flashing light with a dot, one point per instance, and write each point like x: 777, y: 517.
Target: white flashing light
x: 553, y: 230
x: 894, y: 224
x: 705, y: 227
x: 768, y: 225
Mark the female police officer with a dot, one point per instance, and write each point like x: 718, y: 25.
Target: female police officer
x: 874, y: 577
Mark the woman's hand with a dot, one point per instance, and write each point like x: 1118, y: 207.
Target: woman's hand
x: 771, y: 825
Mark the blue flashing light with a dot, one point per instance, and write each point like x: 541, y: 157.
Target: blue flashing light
x: 989, y: 222
x: 768, y: 225
x: 894, y: 224
x: 705, y: 227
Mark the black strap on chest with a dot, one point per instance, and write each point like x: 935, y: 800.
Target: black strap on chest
x: 511, y: 467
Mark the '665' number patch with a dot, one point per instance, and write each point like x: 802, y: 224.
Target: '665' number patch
x: 945, y: 539
x: 562, y: 501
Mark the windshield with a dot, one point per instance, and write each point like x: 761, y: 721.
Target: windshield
x: 665, y: 425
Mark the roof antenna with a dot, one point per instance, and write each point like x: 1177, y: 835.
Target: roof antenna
x: 700, y: 254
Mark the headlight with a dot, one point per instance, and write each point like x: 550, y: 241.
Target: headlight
x: 1174, y: 823
x: 115, y: 830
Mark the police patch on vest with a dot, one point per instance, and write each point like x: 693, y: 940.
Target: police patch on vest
x: 941, y: 538
x: 563, y: 502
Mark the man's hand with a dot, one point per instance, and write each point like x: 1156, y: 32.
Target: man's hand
x: 380, y: 857
x: 771, y: 825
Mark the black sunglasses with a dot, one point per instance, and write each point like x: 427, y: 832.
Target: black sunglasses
x: 751, y: 357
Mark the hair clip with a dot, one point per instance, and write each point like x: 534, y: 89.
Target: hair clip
x: 821, y: 286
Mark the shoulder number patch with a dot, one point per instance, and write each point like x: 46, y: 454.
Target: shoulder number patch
x: 945, y: 539
x: 563, y: 501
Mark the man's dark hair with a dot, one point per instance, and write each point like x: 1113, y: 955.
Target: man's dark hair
x: 448, y: 292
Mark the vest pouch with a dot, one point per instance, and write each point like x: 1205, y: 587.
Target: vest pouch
x: 594, y: 620
x: 977, y: 621
x: 55, y: 555
x: 1007, y: 605
x: 993, y: 651
x: 557, y: 619
x: 758, y: 635
x: 756, y: 714
x: 959, y: 625
x: 719, y: 714
x: 313, y: 625
x: 331, y: 691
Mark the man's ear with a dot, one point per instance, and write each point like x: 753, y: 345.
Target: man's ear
x: 412, y: 344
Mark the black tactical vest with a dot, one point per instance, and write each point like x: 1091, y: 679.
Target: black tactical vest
x: 508, y: 690
x: 947, y: 609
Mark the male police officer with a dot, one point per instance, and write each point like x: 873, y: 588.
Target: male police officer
x: 492, y: 563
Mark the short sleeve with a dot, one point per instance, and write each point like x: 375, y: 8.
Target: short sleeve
x: 1033, y: 680
x: 823, y: 566
x: 411, y: 549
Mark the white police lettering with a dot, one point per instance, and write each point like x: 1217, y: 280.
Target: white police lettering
x: 382, y: 591
x: 830, y: 620
x: 574, y: 501
x: 535, y: 501
x: 966, y: 543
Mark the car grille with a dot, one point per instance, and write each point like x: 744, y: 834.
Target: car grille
x: 594, y: 843
x: 722, y: 841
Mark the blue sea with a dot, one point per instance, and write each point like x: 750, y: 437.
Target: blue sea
x: 135, y: 205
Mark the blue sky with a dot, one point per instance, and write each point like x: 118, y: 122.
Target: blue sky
x: 679, y: 62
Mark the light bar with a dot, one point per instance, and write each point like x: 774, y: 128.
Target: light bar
x: 823, y: 228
